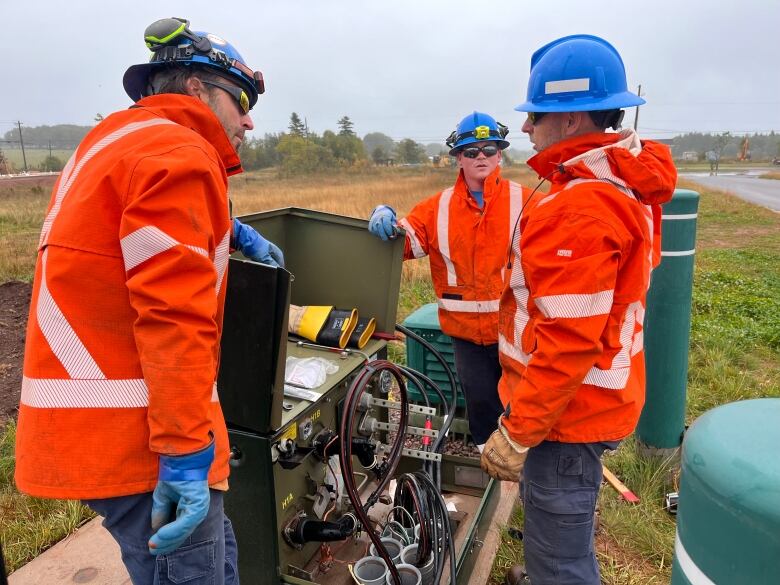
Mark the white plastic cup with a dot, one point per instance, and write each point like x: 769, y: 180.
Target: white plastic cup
x: 409, y: 556
x: 410, y: 575
x: 370, y: 571
x: 393, y: 546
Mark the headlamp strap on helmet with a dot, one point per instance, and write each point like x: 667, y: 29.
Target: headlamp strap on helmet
x: 482, y: 133
x: 451, y: 139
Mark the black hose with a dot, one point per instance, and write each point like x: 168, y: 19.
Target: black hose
x: 351, y: 402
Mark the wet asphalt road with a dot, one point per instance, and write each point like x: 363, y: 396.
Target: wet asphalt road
x: 745, y: 184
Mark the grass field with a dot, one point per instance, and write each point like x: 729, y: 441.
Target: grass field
x: 735, y: 346
x: 35, y: 157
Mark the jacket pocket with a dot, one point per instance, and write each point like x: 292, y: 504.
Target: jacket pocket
x: 561, y: 519
x: 192, y: 564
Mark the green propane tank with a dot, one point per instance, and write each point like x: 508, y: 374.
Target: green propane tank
x: 728, y: 512
x: 667, y: 328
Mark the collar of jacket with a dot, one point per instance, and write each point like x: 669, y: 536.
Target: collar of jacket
x: 491, y: 185
x: 645, y: 167
x: 550, y: 160
x: 192, y: 113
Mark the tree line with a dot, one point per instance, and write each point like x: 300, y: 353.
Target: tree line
x: 299, y: 150
x: 760, y: 146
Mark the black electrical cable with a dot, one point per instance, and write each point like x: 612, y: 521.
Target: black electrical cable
x: 443, y: 432
x: 418, y: 493
x: 414, y: 377
x: 441, y: 515
x: 351, y: 402
x: 433, y: 468
x: 453, y: 385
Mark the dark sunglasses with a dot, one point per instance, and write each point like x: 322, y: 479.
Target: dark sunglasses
x: 535, y: 117
x: 238, y: 94
x: 473, y: 151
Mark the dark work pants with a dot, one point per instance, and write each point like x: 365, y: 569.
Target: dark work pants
x: 559, y: 490
x: 208, y: 557
x: 479, y: 371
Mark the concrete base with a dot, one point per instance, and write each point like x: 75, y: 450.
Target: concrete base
x: 487, y: 555
x: 89, y: 555
x: 672, y: 454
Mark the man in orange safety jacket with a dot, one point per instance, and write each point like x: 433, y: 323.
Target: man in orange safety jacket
x: 464, y: 230
x: 571, y: 317
x: 119, y: 406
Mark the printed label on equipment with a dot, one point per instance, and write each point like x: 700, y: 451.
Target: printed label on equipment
x: 290, y: 433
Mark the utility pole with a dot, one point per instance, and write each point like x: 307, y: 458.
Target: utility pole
x: 636, y: 115
x: 21, y: 141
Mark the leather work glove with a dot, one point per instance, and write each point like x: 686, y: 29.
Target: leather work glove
x: 251, y: 244
x: 502, y: 457
x: 383, y: 223
x: 182, y: 486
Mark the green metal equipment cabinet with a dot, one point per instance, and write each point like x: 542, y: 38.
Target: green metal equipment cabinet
x: 728, y: 512
x: 425, y: 323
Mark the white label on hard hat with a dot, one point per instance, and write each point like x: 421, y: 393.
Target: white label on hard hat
x: 565, y: 85
x: 216, y: 40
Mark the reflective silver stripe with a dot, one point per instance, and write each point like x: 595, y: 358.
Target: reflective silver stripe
x: 67, y: 179
x: 616, y: 377
x: 515, y: 208
x: 443, y: 234
x: 221, y: 256
x: 469, y: 306
x: 411, y: 235
x: 681, y: 216
x: 520, y: 293
x: 60, y: 335
x: 678, y: 253
x: 573, y: 306
x: 512, y: 351
x: 566, y: 85
x: 692, y: 572
x: 515, y: 205
x: 638, y: 344
x: 148, y: 241
x: 59, y: 393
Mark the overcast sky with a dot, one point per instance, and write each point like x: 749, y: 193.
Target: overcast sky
x: 408, y: 68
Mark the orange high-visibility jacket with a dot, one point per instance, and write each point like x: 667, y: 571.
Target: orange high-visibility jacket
x: 468, y: 249
x: 570, y: 324
x: 123, y: 337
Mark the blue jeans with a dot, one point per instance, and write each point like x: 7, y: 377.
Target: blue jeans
x: 478, y: 373
x: 560, y: 486
x: 208, y: 557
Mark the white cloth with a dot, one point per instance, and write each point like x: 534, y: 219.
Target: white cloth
x: 308, y: 372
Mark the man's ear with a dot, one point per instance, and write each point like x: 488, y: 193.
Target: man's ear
x: 194, y: 86
x: 572, y: 123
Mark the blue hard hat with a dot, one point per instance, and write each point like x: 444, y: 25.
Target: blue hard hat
x: 477, y: 127
x: 171, y: 41
x: 578, y: 73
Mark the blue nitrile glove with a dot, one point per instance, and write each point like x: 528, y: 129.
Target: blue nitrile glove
x: 251, y: 244
x: 382, y: 223
x: 182, y: 485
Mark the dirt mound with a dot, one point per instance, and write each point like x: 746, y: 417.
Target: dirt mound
x: 14, y: 305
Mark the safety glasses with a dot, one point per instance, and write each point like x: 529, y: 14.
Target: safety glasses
x: 535, y: 117
x: 238, y: 94
x: 473, y: 151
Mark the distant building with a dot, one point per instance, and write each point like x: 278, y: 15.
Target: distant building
x: 690, y: 156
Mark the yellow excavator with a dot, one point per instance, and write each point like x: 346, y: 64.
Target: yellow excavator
x: 744, y: 149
